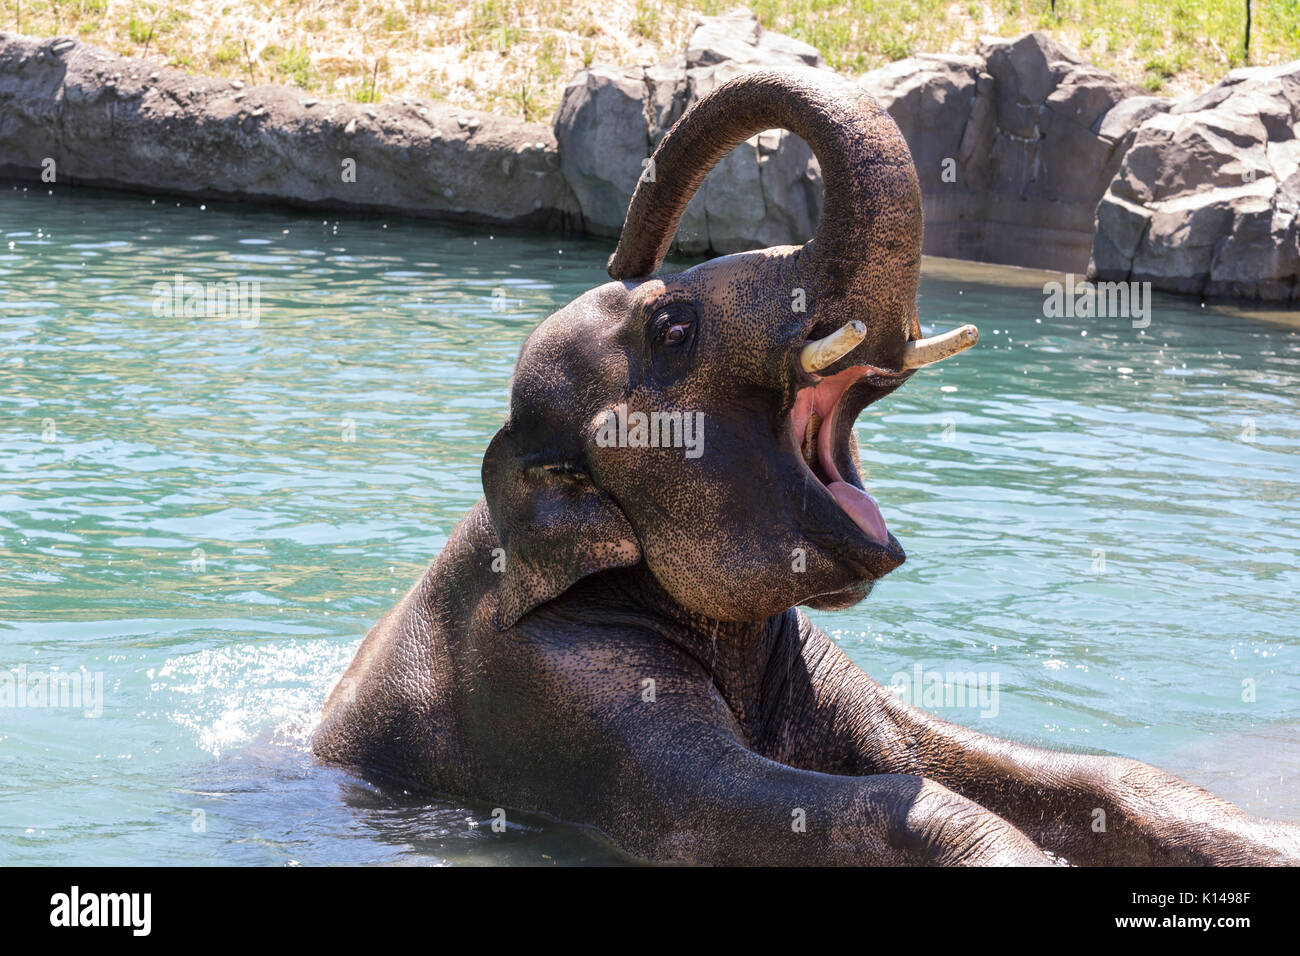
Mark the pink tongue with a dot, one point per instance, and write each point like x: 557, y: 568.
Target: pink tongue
x: 862, y: 508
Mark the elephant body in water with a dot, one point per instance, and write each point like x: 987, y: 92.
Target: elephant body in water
x: 610, y: 636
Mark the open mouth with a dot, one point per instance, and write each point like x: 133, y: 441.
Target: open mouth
x: 824, y: 412
x: 822, y: 425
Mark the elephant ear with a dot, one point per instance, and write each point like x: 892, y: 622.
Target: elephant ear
x: 554, y: 525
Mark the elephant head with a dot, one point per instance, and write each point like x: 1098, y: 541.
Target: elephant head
x: 701, y: 424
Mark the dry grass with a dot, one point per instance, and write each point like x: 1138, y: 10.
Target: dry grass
x: 514, y: 56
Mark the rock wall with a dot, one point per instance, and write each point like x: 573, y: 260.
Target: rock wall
x: 1014, y: 146
x: 1207, y: 197
x: 1026, y: 154
x: 113, y: 121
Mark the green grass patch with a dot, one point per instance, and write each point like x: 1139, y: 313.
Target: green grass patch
x: 294, y: 63
x: 1170, y: 46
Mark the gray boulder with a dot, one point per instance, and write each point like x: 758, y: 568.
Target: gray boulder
x: 603, y: 136
x: 1205, y: 201
x: 113, y: 121
x: 1014, y: 147
x: 765, y: 192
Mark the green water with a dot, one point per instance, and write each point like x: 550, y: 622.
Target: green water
x: 209, y: 513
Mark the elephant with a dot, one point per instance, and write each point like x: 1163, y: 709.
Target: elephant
x: 612, y: 636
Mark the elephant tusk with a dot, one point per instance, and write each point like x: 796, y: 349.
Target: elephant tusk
x: 822, y: 352
x: 936, y: 348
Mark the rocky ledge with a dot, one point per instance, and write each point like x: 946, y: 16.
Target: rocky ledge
x: 82, y: 114
x: 1027, y: 155
x: 1206, y: 198
x: 1014, y: 146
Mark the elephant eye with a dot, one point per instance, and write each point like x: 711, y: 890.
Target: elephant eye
x: 676, y: 333
x: 674, y: 324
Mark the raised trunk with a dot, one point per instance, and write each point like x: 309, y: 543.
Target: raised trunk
x: 864, y: 262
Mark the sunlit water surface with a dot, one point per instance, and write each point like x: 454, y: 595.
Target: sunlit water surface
x: 210, y: 513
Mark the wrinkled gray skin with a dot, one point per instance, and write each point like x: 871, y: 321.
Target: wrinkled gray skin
x: 516, y: 670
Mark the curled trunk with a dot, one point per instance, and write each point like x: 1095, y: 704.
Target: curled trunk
x: 864, y: 262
